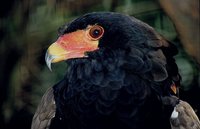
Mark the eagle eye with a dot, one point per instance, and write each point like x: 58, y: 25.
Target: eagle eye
x: 96, y: 32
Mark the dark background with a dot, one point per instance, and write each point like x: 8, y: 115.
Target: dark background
x: 28, y: 27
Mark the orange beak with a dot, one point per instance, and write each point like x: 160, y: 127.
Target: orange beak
x: 71, y: 45
x: 174, y: 88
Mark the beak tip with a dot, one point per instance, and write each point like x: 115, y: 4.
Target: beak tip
x: 49, y: 66
x: 48, y: 59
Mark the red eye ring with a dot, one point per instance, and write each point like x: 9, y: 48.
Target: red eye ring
x: 96, y: 32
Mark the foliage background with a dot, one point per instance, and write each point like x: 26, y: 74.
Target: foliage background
x: 28, y: 27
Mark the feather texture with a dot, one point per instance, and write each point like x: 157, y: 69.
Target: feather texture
x: 45, y: 111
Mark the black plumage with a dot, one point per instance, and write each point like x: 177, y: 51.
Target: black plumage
x: 121, y: 84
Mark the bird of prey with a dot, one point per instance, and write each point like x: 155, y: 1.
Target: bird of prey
x: 119, y: 70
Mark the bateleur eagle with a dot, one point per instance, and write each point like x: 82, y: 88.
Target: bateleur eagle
x: 119, y: 70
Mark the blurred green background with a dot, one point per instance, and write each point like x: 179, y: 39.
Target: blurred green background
x: 28, y: 27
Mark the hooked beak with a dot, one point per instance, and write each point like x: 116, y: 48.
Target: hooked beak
x: 68, y: 46
x: 55, y: 53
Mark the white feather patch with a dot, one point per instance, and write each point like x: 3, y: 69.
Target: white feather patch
x: 174, y: 113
